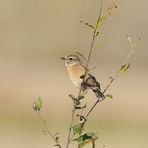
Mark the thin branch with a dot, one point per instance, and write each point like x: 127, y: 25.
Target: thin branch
x: 86, y: 67
x: 70, y: 128
x: 94, y: 36
x: 46, y: 128
x: 112, y: 80
x: 72, y: 119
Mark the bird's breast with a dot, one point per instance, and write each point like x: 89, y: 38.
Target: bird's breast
x: 75, y: 72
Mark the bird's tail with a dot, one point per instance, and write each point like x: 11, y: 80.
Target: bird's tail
x: 98, y: 93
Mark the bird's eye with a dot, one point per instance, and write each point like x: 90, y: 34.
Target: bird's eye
x: 70, y: 58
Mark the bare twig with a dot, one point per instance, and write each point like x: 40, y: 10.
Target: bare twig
x: 46, y: 128
x: 94, y: 36
x: 112, y: 80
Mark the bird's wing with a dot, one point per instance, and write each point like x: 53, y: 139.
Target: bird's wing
x: 91, y: 81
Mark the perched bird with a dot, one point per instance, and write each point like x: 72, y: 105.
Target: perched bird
x: 76, y: 71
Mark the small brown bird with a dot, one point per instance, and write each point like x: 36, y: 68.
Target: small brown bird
x: 76, y: 71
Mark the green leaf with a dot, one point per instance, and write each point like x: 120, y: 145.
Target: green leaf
x: 79, y: 139
x: 100, y: 22
x: 39, y: 102
x: 37, y: 105
x: 109, y: 96
x: 84, y: 137
x: 123, y: 69
x: 77, y: 129
x: 81, y: 97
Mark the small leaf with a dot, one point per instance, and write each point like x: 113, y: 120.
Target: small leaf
x: 79, y: 139
x: 109, y: 96
x: 37, y: 105
x: 39, y: 101
x: 77, y: 129
x: 99, y: 24
x: 84, y: 137
x: 79, y: 107
x: 111, y: 9
x: 80, y: 98
x: 123, y: 69
x: 85, y: 92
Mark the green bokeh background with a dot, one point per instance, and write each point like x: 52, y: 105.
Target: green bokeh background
x: 34, y: 34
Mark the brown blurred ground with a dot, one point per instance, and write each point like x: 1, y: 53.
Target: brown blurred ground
x: 34, y: 35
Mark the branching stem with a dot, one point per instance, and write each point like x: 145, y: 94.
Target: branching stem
x: 111, y: 81
x: 46, y: 128
x: 86, y: 67
x: 94, y: 37
x: 72, y: 119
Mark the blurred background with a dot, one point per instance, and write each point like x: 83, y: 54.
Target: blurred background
x: 34, y: 35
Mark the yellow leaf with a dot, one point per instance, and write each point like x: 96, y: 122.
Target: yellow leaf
x: 123, y: 69
x: 99, y: 24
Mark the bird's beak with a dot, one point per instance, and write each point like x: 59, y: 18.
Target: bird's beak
x: 63, y: 58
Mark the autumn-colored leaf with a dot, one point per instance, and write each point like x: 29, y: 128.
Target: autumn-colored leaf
x: 111, y: 9
x: 123, y: 69
x: 99, y: 24
x: 109, y: 96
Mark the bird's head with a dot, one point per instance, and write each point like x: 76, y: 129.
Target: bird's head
x: 71, y: 60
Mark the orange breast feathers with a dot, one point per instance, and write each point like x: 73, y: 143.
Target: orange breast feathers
x: 75, y: 71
